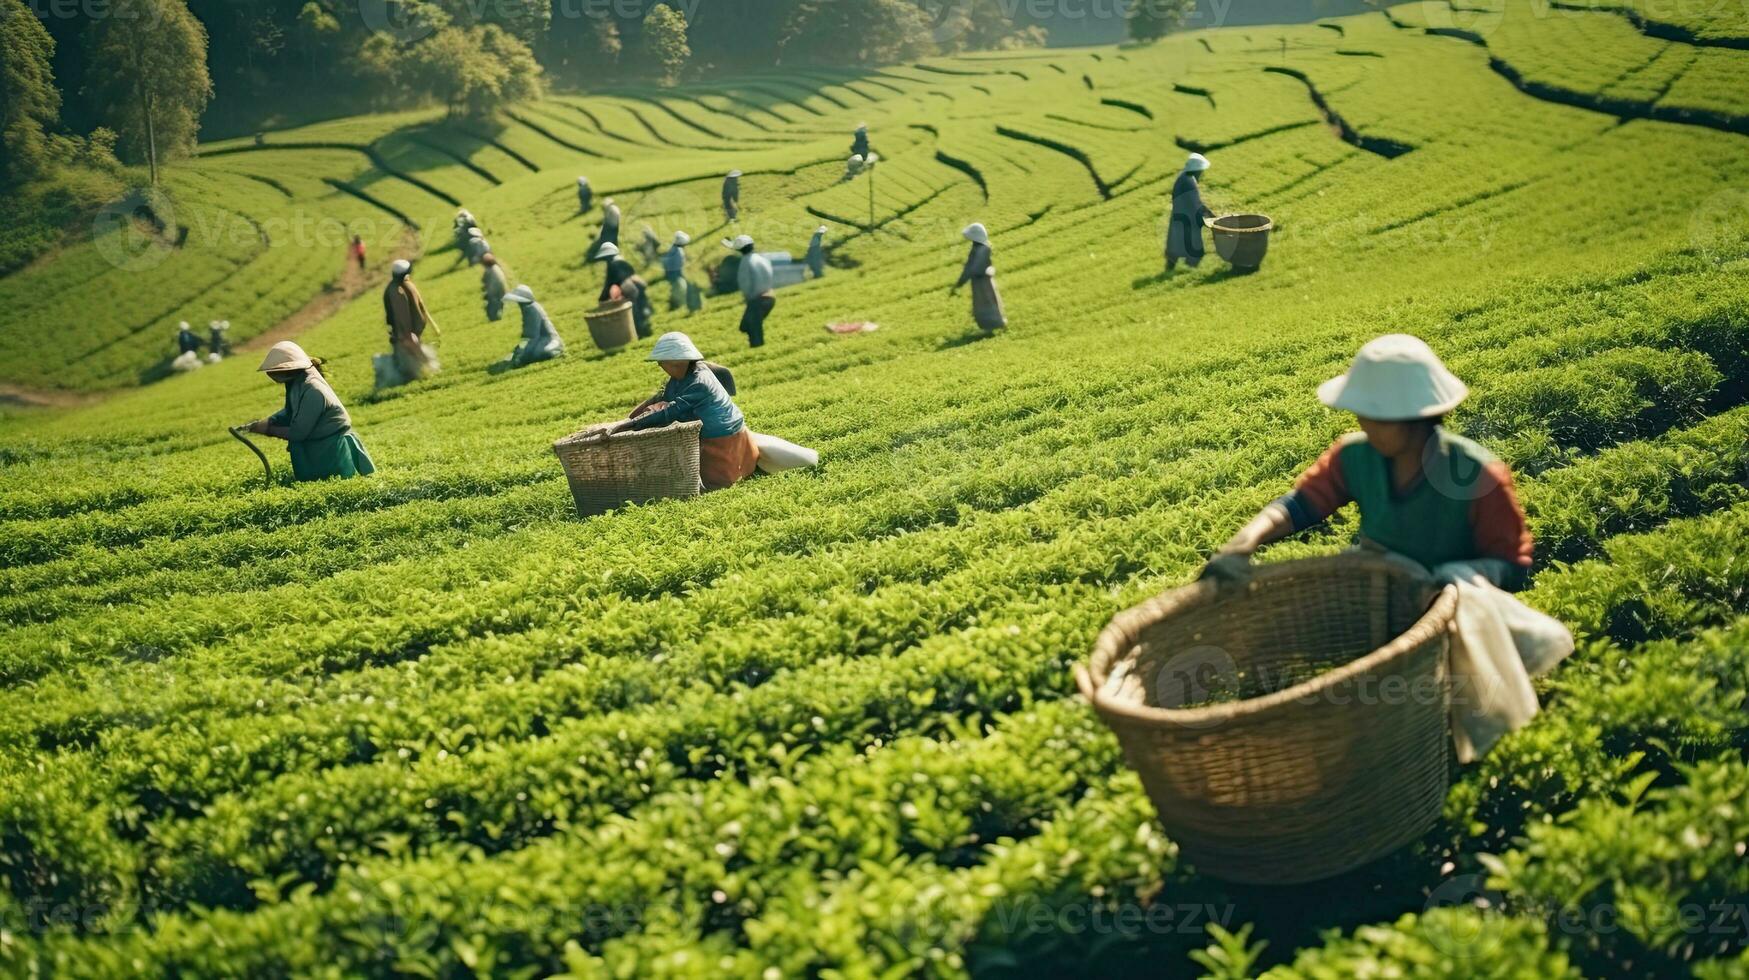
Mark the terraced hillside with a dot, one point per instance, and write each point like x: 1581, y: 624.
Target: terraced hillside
x: 822, y: 724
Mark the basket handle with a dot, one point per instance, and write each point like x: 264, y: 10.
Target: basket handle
x: 1084, y: 681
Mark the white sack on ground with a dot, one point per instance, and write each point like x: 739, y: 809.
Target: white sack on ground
x: 777, y: 455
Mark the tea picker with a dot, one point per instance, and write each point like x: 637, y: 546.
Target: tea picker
x: 986, y: 302
x: 1294, y: 772
x: 631, y: 286
x: 732, y: 195
x: 1438, y: 501
x: 674, y: 270
x: 754, y: 277
x: 316, y: 427
x: 540, y: 339
x: 1184, y: 229
x: 727, y: 453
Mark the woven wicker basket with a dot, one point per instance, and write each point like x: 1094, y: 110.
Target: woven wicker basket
x: 1242, y: 239
x: 630, y: 467
x: 611, y: 325
x: 1331, y: 748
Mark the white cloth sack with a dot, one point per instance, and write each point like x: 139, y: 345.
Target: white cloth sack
x: 1498, y: 644
x: 186, y: 361
x: 777, y: 455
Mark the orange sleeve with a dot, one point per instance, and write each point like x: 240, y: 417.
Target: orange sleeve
x: 1497, y: 520
x: 1321, y: 490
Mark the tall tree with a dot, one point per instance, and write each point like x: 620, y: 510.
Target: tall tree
x: 663, y: 43
x: 156, y: 84
x: 475, y: 70
x: 863, y: 32
x: 29, y: 102
x: 1151, y: 20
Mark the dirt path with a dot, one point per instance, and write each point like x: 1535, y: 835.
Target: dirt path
x: 353, y: 283
x: 19, y: 396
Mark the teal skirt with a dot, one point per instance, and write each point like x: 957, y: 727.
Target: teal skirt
x: 340, y: 455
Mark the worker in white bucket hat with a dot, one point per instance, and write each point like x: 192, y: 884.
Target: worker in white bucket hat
x: 726, y: 451
x: 1438, y: 503
x: 1399, y: 468
x: 1184, y: 230
x: 316, y: 427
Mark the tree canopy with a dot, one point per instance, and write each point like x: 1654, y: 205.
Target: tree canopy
x: 157, y: 84
x: 663, y: 43
x: 29, y: 102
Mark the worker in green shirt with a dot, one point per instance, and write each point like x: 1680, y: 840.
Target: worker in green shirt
x: 316, y: 428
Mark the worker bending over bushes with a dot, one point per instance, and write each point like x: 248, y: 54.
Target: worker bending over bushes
x: 726, y: 451
x: 493, y: 285
x: 631, y: 287
x: 314, y: 424
x: 540, y: 340
x: 1440, y: 503
x: 409, y: 359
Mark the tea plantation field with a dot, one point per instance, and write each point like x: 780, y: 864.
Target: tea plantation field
x: 823, y: 724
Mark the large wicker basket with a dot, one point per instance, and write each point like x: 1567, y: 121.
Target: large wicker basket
x: 1288, y: 729
x: 606, y: 472
x: 611, y: 325
x: 1242, y: 239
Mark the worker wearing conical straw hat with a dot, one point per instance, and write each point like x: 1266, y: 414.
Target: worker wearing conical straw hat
x: 726, y: 451
x: 585, y: 195
x: 316, y: 428
x: 1441, y: 505
x: 986, y: 302
x: 1184, y: 230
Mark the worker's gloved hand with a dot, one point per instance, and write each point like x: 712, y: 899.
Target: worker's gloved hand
x: 1227, y: 566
